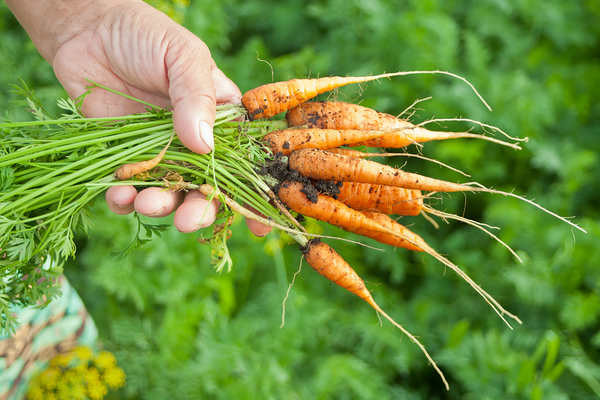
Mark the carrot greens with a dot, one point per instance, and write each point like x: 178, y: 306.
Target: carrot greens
x: 53, y: 168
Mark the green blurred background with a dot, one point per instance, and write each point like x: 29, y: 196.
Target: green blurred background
x: 181, y: 330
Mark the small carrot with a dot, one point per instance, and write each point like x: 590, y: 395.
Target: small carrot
x: 387, y: 199
x: 340, y: 115
x: 129, y: 170
x: 332, y: 266
x: 324, y: 165
x: 271, y: 99
x: 287, y: 140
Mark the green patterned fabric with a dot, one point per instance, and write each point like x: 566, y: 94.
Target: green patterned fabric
x: 43, y: 334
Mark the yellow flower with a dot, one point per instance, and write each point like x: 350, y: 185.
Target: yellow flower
x: 105, y: 360
x: 96, y: 391
x: 35, y: 393
x: 92, y: 376
x: 50, y: 378
x: 76, y: 392
x: 62, y: 389
x: 74, y: 376
x: 61, y: 360
x: 84, y: 353
x: 114, y: 378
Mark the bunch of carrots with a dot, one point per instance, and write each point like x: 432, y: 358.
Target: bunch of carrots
x: 306, y: 167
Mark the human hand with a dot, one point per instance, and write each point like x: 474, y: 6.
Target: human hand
x: 133, y: 48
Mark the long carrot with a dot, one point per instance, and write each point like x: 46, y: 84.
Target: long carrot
x: 387, y: 199
x: 271, y: 99
x: 341, y: 115
x: 287, y: 140
x: 324, y: 165
x: 336, y: 213
x: 332, y: 266
x: 129, y: 170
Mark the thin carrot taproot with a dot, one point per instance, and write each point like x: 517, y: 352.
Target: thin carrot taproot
x: 342, y: 115
x: 327, y: 209
x: 268, y: 100
x: 407, y: 239
x: 427, y: 210
x: 324, y: 165
x: 287, y: 140
x: 129, y: 170
x: 387, y: 199
x: 362, y: 154
x: 328, y: 263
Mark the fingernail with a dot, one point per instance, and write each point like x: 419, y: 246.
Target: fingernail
x: 158, y: 212
x: 206, y: 134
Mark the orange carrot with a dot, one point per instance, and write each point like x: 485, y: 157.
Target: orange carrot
x: 287, y: 140
x: 127, y: 171
x: 329, y: 210
x: 340, y: 115
x: 271, y: 99
x: 387, y: 199
x: 324, y: 165
x: 332, y: 266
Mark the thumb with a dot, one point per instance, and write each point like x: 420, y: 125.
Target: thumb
x: 191, y: 89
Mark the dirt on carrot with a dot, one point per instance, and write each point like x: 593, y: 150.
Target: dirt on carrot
x: 386, y: 199
x: 401, y: 132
